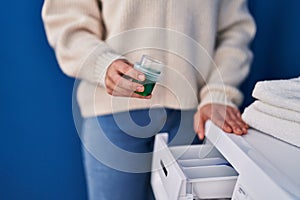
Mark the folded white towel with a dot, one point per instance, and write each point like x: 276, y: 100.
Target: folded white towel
x: 278, y: 112
x: 280, y: 93
x: 282, y: 129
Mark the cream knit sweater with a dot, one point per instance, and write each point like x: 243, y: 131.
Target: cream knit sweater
x: 88, y: 35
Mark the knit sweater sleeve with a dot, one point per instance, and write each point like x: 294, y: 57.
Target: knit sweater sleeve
x: 75, y: 30
x: 232, y: 57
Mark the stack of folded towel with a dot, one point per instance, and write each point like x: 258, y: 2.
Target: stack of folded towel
x: 277, y: 110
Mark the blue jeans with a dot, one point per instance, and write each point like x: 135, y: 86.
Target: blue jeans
x: 112, y: 175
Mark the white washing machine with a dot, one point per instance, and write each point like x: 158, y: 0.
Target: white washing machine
x: 254, y: 166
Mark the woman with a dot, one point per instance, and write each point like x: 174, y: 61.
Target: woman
x: 204, y: 45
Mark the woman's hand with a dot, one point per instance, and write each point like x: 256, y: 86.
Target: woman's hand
x: 226, y: 117
x: 118, y: 85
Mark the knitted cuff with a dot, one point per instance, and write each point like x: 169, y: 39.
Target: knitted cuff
x: 220, y: 94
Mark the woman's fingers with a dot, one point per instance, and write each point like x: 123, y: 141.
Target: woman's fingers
x: 125, y: 68
x: 199, y: 123
x: 196, y: 121
x: 239, y: 116
x: 236, y: 116
x: 238, y: 119
x: 119, y: 89
x: 124, y: 83
x: 119, y: 82
x: 236, y: 123
x: 226, y: 117
x: 231, y: 121
x: 201, y: 129
x: 221, y: 121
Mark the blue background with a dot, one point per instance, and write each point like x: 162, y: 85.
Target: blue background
x: 40, y: 155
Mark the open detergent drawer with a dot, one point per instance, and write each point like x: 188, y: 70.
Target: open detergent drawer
x: 190, y: 172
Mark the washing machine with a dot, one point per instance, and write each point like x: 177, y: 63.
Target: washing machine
x: 255, y: 166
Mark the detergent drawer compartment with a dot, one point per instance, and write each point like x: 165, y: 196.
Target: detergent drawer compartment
x: 190, y: 172
x: 210, y: 182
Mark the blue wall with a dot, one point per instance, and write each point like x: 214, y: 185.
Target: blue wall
x: 40, y: 154
x: 276, y: 46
